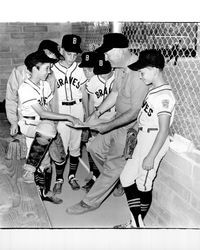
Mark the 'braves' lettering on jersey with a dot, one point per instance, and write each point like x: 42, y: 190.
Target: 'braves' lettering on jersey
x: 68, y: 81
x: 158, y: 101
x: 98, y: 88
x: 30, y: 93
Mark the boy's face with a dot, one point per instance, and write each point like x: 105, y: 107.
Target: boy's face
x: 88, y: 73
x: 147, y: 75
x: 44, y: 70
x: 70, y: 57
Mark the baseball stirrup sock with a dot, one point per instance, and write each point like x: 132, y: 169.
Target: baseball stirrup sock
x: 60, y: 167
x: 73, y: 165
x: 39, y: 179
x: 48, y: 177
x: 93, y: 167
x: 146, y: 198
x: 133, y: 199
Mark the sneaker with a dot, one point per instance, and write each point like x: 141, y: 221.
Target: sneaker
x: 49, y: 196
x: 118, y: 191
x: 28, y: 177
x: 88, y: 185
x: 74, y: 184
x: 57, y: 189
x: 124, y: 226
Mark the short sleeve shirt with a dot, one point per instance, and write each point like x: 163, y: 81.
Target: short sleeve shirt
x: 30, y: 93
x: 99, y: 88
x: 158, y: 101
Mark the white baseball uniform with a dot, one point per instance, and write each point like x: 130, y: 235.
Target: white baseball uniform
x: 159, y: 101
x: 29, y: 94
x: 99, y: 88
x: 68, y: 90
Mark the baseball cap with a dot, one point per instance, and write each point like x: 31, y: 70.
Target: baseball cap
x: 149, y: 57
x: 113, y: 40
x: 36, y: 57
x: 52, y: 46
x: 71, y: 43
x: 102, y: 67
x: 88, y: 59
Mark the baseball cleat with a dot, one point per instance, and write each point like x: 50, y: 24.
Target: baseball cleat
x: 57, y: 189
x: 74, y: 184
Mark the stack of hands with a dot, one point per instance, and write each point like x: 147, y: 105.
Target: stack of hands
x: 92, y: 122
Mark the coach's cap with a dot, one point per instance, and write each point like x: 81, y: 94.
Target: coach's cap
x: 113, y: 40
x: 71, y: 43
x: 37, y: 57
x: 102, y: 67
x: 52, y: 46
x: 88, y: 59
x: 149, y: 58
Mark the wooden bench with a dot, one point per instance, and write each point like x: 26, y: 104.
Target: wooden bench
x: 20, y: 203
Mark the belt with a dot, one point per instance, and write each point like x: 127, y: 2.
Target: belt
x: 147, y: 129
x: 70, y: 103
x: 30, y: 117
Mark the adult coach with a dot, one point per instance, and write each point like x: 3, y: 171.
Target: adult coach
x: 127, y: 95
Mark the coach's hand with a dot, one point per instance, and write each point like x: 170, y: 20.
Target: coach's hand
x: 148, y: 163
x: 101, y: 127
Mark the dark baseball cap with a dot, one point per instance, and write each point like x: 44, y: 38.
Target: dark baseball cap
x: 113, y: 40
x: 88, y: 59
x: 52, y: 46
x: 37, y: 57
x: 71, y: 43
x: 102, y: 67
x: 149, y: 58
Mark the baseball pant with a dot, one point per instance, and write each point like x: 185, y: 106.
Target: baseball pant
x: 107, y: 153
x: 133, y: 171
x: 71, y: 137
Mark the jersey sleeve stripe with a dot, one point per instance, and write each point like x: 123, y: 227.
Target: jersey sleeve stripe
x: 164, y: 113
x: 30, y: 100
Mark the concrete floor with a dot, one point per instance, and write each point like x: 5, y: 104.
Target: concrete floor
x: 113, y: 211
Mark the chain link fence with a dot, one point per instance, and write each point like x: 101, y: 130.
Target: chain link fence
x: 179, y: 43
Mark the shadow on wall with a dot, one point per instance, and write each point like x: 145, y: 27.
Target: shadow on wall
x: 2, y: 107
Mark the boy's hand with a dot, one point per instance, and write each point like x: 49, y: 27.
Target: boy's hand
x: 148, y: 163
x: 13, y: 129
x: 76, y: 121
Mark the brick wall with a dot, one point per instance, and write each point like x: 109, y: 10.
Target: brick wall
x: 17, y: 40
x: 176, y: 200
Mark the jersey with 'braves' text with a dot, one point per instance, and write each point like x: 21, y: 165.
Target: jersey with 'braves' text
x: 68, y: 82
x: 99, y: 88
x: 31, y: 93
x: 158, y: 101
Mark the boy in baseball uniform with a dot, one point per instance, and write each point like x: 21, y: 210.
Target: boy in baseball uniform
x: 98, y: 87
x: 154, y: 121
x: 88, y: 60
x: 36, y: 120
x: 70, y: 80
